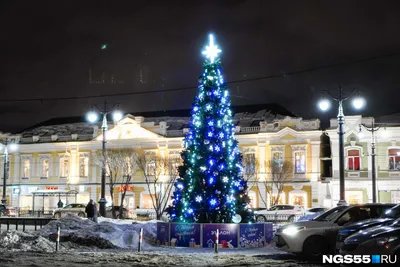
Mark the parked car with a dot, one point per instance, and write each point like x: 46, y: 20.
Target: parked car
x: 75, y: 208
x: 313, y: 211
x: 385, y: 219
x: 310, y: 214
x: 288, y: 212
x: 126, y: 214
x: 380, y: 240
x: 318, y: 236
x: 8, y: 211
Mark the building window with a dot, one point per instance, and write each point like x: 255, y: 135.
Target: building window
x: 353, y: 159
x: 83, y: 167
x: 64, y: 167
x: 147, y: 201
x: 45, y: 168
x: 173, y: 164
x: 249, y: 164
x: 27, y: 168
x: 300, y: 162
x: 394, y: 159
x: 151, y: 168
x: 277, y: 158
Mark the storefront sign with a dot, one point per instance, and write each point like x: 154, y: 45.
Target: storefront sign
x: 163, y: 233
x: 128, y: 188
x: 252, y: 235
x: 228, y: 235
x: 16, y: 191
x: 51, y: 188
x: 185, y: 235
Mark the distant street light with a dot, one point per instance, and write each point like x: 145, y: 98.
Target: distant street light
x: 12, y: 147
x: 92, y: 116
x: 324, y: 105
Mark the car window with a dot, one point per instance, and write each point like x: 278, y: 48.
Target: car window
x: 288, y: 207
x: 393, y: 213
x: 356, y: 214
x: 68, y: 206
x: 275, y: 208
x: 80, y: 206
x: 330, y: 214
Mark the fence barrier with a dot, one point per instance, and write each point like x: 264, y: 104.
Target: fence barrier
x: 15, y: 221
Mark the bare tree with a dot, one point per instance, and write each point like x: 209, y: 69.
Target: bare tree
x: 160, y: 174
x: 280, y: 172
x: 120, y: 167
x: 130, y: 168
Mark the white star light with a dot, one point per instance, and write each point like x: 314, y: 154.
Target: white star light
x: 212, y: 50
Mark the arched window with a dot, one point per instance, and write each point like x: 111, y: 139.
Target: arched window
x: 394, y: 159
x: 353, y: 159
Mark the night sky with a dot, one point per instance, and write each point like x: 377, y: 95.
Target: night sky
x: 48, y: 47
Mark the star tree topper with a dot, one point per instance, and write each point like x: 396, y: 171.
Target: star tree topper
x: 212, y: 50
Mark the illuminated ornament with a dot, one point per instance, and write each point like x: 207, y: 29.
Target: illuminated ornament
x: 206, y: 142
x: 213, y: 202
x: 221, y: 135
x: 217, y: 148
x: 211, y: 180
x: 203, y: 168
x: 211, y: 148
x: 190, y: 211
x: 211, y: 162
x: 210, y: 134
x: 210, y: 77
x: 208, y: 107
x: 180, y: 186
x: 212, y: 50
x: 104, y: 46
x: 236, y: 183
x: 199, y: 199
x: 195, y: 108
x: 225, y: 179
x: 210, y: 123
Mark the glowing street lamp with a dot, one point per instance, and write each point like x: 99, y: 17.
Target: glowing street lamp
x: 324, y: 105
x: 12, y: 147
x: 92, y: 117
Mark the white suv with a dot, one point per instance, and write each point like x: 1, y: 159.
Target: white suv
x: 319, y: 235
x: 279, y: 213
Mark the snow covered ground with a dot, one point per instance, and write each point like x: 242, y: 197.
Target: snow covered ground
x: 115, y: 242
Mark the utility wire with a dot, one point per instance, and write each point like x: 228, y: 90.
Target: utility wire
x: 194, y: 87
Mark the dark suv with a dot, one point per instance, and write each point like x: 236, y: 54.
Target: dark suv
x: 385, y: 219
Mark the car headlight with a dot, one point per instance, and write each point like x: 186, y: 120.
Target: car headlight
x: 381, y: 241
x: 292, y: 230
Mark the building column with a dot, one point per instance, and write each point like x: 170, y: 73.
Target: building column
x: 315, y: 160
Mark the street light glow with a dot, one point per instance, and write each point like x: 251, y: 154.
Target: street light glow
x: 358, y: 102
x: 324, y: 104
x: 92, y: 116
x: 117, y: 115
x: 360, y: 134
x: 13, y: 147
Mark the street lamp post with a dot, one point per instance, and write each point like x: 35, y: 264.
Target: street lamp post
x: 6, y: 163
x: 372, y: 129
x: 324, y: 105
x: 92, y: 117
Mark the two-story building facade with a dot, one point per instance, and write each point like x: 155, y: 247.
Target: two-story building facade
x: 59, y: 155
x: 358, y: 162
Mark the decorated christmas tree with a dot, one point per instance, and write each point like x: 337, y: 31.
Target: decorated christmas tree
x: 211, y: 187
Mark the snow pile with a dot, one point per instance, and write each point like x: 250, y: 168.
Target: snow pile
x: 105, y: 234
x: 16, y: 240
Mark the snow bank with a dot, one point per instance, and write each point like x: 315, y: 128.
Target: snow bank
x: 108, y: 233
x: 16, y: 240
